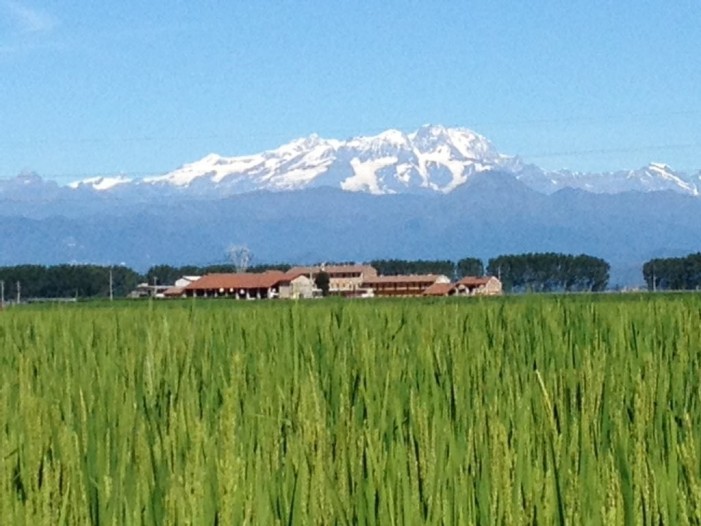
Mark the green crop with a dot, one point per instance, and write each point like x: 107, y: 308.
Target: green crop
x: 532, y: 410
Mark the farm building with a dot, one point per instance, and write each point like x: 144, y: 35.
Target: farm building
x: 238, y: 286
x: 468, y: 286
x: 297, y: 287
x: 440, y: 289
x: 479, y: 286
x: 344, y: 280
x: 270, y: 284
x: 412, y: 285
x: 145, y: 290
x: 178, y: 289
x: 184, y: 281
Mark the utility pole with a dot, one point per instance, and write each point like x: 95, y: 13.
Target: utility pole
x: 19, y: 292
x: 111, y: 286
x: 2, y: 294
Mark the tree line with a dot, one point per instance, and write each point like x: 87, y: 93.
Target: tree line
x: 547, y: 272
x: 67, y: 281
x: 550, y: 272
x: 682, y: 273
x: 453, y: 269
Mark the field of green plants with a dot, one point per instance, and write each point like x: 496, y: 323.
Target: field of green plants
x: 529, y: 410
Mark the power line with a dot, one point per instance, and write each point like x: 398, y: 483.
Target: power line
x: 534, y: 156
x: 64, y: 176
x: 587, y: 119
x: 608, y: 151
x: 65, y: 179
x: 347, y: 132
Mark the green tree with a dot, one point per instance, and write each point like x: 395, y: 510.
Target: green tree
x: 396, y: 267
x: 469, y: 267
x: 673, y: 273
x: 67, y: 281
x: 550, y: 272
x: 322, y: 282
x: 163, y: 274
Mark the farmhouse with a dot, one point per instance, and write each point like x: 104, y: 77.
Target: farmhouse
x: 344, y: 280
x: 412, y: 285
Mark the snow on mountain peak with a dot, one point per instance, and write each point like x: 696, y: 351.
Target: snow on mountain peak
x: 388, y: 140
x: 101, y: 183
x: 463, y: 141
x: 651, y: 178
x: 299, y: 145
x: 431, y: 158
x: 660, y: 166
x: 663, y: 178
x: 430, y: 130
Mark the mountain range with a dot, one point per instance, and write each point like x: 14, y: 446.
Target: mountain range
x: 431, y: 159
x: 434, y: 193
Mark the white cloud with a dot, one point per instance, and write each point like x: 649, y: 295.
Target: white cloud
x: 28, y: 19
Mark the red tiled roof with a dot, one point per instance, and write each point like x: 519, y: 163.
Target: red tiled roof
x: 439, y: 289
x: 293, y: 274
x: 413, y: 279
x: 335, y: 269
x: 474, y: 281
x: 241, y: 280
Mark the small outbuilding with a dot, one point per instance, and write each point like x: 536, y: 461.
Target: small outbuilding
x: 479, y: 286
x: 297, y: 287
x: 441, y: 289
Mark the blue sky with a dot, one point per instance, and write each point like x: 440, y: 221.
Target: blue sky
x: 140, y: 88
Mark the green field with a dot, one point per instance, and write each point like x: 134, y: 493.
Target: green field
x: 529, y: 410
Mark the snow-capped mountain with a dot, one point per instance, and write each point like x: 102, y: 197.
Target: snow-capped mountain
x: 100, y: 183
x: 430, y: 159
x: 652, y: 178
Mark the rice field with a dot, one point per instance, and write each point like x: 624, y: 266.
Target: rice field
x: 531, y: 410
